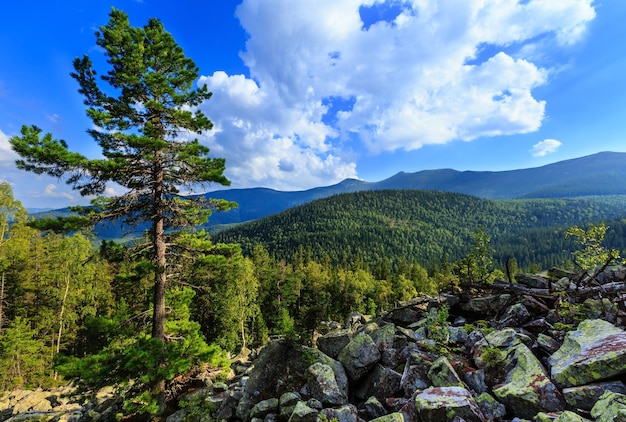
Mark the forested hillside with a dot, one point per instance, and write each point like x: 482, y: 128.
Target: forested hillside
x: 599, y: 174
x: 427, y: 227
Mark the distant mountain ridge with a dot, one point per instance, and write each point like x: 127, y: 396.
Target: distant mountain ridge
x: 603, y: 173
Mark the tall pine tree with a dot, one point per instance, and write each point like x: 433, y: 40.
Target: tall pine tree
x: 144, y: 110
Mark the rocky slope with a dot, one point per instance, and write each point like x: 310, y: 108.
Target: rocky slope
x: 541, y: 349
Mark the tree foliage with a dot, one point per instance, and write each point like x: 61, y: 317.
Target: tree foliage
x: 381, y: 227
x: 592, y: 257
x: 144, y: 112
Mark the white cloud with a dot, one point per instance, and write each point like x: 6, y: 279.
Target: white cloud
x: 545, y: 147
x: 438, y: 71
x: 7, y: 155
x: 51, y: 191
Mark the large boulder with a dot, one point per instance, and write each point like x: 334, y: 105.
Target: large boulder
x: 594, y: 352
x: 275, y: 368
x: 585, y: 396
x: 443, y: 404
x: 442, y: 374
x: 527, y: 389
x: 303, y: 413
x: 345, y: 413
x: 486, y: 304
x: 323, y: 386
x: 381, y: 383
x: 334, y: 342
x: 359, y: 356
x: 611, y: 407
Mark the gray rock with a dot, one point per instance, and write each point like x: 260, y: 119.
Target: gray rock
x: 532, y: 280
x: 323, y: 386
x: 442, y: 374
x: 501, y: 339
x: 334, y: 342
x: 490, y: 407
x: 287, y: 402
x: 487, y: 304
x: 354, y: 320
x: 346, y: 413
x: 458, y: 334
x: 382, y: 383
x: 611, y: 407
x: 178, y: 416
x: 475, y: 380
x: 359, y: 356
x: 514, y: 316
x: 585, y: 396
x: 264, y: 407
x: 303, y: 413
x: 527, y: 389
x: 314, y: 403
x: 593, y: 352
x: 373, y: 408
x: 414, y: 377
x: 392, y: 417
x: 547, y: 343
x: 443, y: 404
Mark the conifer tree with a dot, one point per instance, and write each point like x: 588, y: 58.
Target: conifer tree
x: 144, y: 112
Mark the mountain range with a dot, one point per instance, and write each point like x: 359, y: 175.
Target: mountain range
x: 603, y: 173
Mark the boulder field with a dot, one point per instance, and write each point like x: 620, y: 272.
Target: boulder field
x: 540, y: 349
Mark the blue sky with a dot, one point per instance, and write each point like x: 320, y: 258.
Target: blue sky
x: 307, y: 93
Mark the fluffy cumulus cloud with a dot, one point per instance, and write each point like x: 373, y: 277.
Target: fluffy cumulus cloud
x: 545, y: 147
x: 7, y: 155
x: 330, y: 79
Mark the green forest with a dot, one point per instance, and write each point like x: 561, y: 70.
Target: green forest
x: 139, y: 314
x: 426, y: 227
x: 69, y: 302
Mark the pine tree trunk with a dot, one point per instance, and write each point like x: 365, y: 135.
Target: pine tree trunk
x: 160, y: 278
x: 1, y: 301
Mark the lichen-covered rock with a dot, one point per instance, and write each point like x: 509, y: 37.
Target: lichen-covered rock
x: 569, y: 416
x: 359, y: 356
x: 443, y: 404
x: 585, y: 396
x: 303, y: 413
x: 475, y: 380
x: 501, y: 339
x: 514, y: 316
x: 287, y: 402
x: 383, y: 336
x: 389, y: 344
x: 264, y: 407
x: 593, y: 352
x: 382, y: 383
x: 392, y: 417
x: 414, y: 377
x: 486, y: 304
x: 600, y: 308
x: 527, y: 389
x: 442, y: 374
x: 373, y: 408
x: 532, y: 280
x: 566, y: 416
x: 547, y: 343
x: 490, y: 407
x: 333, y: 343
x: 345, y: 413
x: 323, y: 386
x: 33, y: 401
x: 611, y: 407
